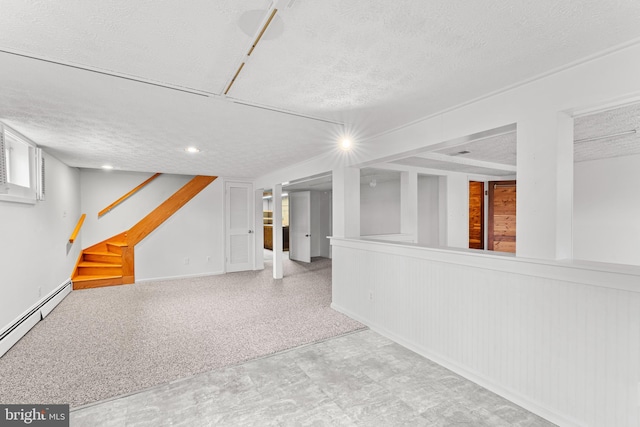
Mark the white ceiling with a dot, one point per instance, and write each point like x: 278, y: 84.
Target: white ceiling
x: 607, y: 134
x: 134, y: 83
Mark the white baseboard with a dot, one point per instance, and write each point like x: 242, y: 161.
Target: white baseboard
x: 186, y: 276
x: 489, y: 384
x: 13, y: 332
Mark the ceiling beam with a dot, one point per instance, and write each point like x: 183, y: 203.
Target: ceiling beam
x: 440, y: 172
x: 461, y: 160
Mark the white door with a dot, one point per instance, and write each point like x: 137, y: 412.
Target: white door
x: 240, y: 236
x: 300, y: 226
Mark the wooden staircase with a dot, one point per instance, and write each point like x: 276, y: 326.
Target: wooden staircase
x: 111, y: 262
x: 103, y: 264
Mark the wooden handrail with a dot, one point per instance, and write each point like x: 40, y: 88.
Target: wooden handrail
x: 77, y: 229
x: 126, y: 196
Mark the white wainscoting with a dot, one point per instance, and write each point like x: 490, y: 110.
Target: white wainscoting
x: 560, y: 339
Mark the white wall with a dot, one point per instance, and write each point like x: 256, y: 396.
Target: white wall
x: 380, y: 208
x: 35, y: 254
x: 428, y: 210
x: 606, y: 210
x: 195, y: 232
x: 100, y: 188
x: 320, y: 223
x: 558, y: 339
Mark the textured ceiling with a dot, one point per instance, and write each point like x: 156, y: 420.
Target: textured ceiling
x: 381, y: 64
x: 88, y: 119
x: 602, y: 124
x: 194, y: 47
x: 496, y: 149
x: 104, y: 82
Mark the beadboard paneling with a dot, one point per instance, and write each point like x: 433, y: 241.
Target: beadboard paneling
x: 567, y: 350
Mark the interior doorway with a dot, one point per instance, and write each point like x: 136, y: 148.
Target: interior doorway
x: 476, y: 214
x: 501, y: 227
x: 267, y: 221
x: 492, y: 215
x: 300, y: 231
x: 310, y: 213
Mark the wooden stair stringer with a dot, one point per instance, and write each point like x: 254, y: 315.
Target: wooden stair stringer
x: 167, y: 208
x: 122, y: 245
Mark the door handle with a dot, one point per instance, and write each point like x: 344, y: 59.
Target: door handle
x: 307, y: 235
x: 250, y: 231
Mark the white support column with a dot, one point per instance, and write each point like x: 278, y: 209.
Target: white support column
x: 545, y: 186
x: 277, y: 231
x: 409, y: 204
x: 259, y: 233
x: 346, y: 202
x: 443, y: 228
x: 457, y: 210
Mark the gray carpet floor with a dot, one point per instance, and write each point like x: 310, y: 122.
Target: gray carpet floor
x: 105, y: 342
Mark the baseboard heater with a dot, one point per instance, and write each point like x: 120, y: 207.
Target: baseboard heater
x: 16, y: 330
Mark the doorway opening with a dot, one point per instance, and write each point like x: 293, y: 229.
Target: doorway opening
x: 492, y: 223
x: 267, y: 224
x: 310, y: 217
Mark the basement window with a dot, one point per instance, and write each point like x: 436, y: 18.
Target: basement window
x: 19, y: 167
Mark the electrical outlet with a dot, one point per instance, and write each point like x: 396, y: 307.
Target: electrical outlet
x: 208, y: 259
x: 186, y: 261
x: 370, y: 295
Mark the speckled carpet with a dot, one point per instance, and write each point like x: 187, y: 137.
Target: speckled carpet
x: 105, y: 342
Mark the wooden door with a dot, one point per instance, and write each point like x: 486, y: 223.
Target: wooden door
x: 502, y: 216
x: 476, y: 215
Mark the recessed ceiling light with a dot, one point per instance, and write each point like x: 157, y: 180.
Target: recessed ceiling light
x: 192, y: 150
x: 107, y: 167
x: 345, y: 144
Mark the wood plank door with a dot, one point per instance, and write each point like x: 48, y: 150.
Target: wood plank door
x: 476, y: 215
x: 502, y: 216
